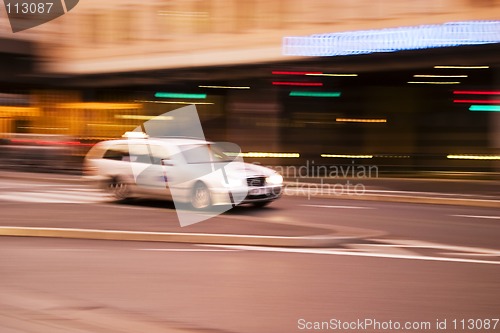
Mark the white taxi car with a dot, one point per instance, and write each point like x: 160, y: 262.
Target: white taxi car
x: 192, y: 171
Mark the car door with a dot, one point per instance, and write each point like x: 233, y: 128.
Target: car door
x: 115, y: 162
x: 151, y: 164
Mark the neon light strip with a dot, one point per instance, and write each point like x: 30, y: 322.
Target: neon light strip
x: 360, y: 120
x: 225, y: 87
x: 394, y: 39
x: 179, y: 95
x: 462, y: 67
x: 474, y: 157
x: 326, y: 74
x: 139, y: 117
x: 169, y: 102
x: 485, y: 101
x: 303, y: 84
x: 346, y: 156
x: 470, y: 92
x: 294, y: 73
x: 258, y: 154
x: 434, y: 82
x: 98, y: 106
x: 423, y: 75
x: 310, y: 73
x: 490, y: 108
x: 314, y: 94
x: 393, y: 156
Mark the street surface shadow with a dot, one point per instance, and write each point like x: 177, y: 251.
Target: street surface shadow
x: 243, y: 209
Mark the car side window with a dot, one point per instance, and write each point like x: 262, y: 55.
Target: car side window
x: 159, y: 153
x: 117, y: 153
x: 148, y: 153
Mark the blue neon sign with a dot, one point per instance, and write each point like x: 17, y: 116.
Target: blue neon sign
x: 394, y: 39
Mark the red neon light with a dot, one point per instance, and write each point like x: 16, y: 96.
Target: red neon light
x: 470, y: 92
x: 301, y: 84
x: 484, y: 101
x: 48, y: 143
x: 294, y: 73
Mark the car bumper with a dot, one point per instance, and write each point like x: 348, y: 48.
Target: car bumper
x: 252, y: 194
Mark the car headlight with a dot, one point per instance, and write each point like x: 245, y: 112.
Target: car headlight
x: 275, y: 179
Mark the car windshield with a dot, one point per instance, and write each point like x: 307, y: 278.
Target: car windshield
x: 208, y: 153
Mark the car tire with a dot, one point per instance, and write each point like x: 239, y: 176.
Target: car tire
x: 119, y: 189
x: 200, y: 196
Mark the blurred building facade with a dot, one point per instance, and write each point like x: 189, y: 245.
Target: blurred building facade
x: 188, y: 43
x: 104, y: 36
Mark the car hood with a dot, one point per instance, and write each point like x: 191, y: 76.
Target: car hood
x: 248, y: 169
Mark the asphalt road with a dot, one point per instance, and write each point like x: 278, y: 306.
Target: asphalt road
x: 429, y: 263
x: 52, y: 204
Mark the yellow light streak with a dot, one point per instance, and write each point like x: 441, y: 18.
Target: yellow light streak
x: 360, y: 120
x: 346, y: 156
x: 473, y: 157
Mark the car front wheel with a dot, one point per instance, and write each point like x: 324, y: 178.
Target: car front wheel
x: 200, y: 196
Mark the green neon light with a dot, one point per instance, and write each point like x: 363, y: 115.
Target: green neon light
x: 179, y: 95
x: 314, y: 94
x: 490, y: 108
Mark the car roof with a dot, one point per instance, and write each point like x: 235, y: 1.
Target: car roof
x: 177, y: 141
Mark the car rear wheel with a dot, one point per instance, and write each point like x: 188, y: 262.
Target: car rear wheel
x: 118, y: 189
x: 200, y: 197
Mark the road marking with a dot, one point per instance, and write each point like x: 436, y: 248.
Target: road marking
x: 387, y: 250
x: 16, y: 184
x: 429, y: 245
x: 327, y: 189
x: 341, y: 207
x: 473, y: 254
x: 191, y: 250
x: 479, y: 216
x: 357, y: 254
x: 55, y: 196
x: 72, y: 250
x: 431, y: 193
x: 24, y: 197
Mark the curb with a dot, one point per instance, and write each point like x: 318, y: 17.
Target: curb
x: 471, y: 202
x: 328, y: 240
x: 417, y: 199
